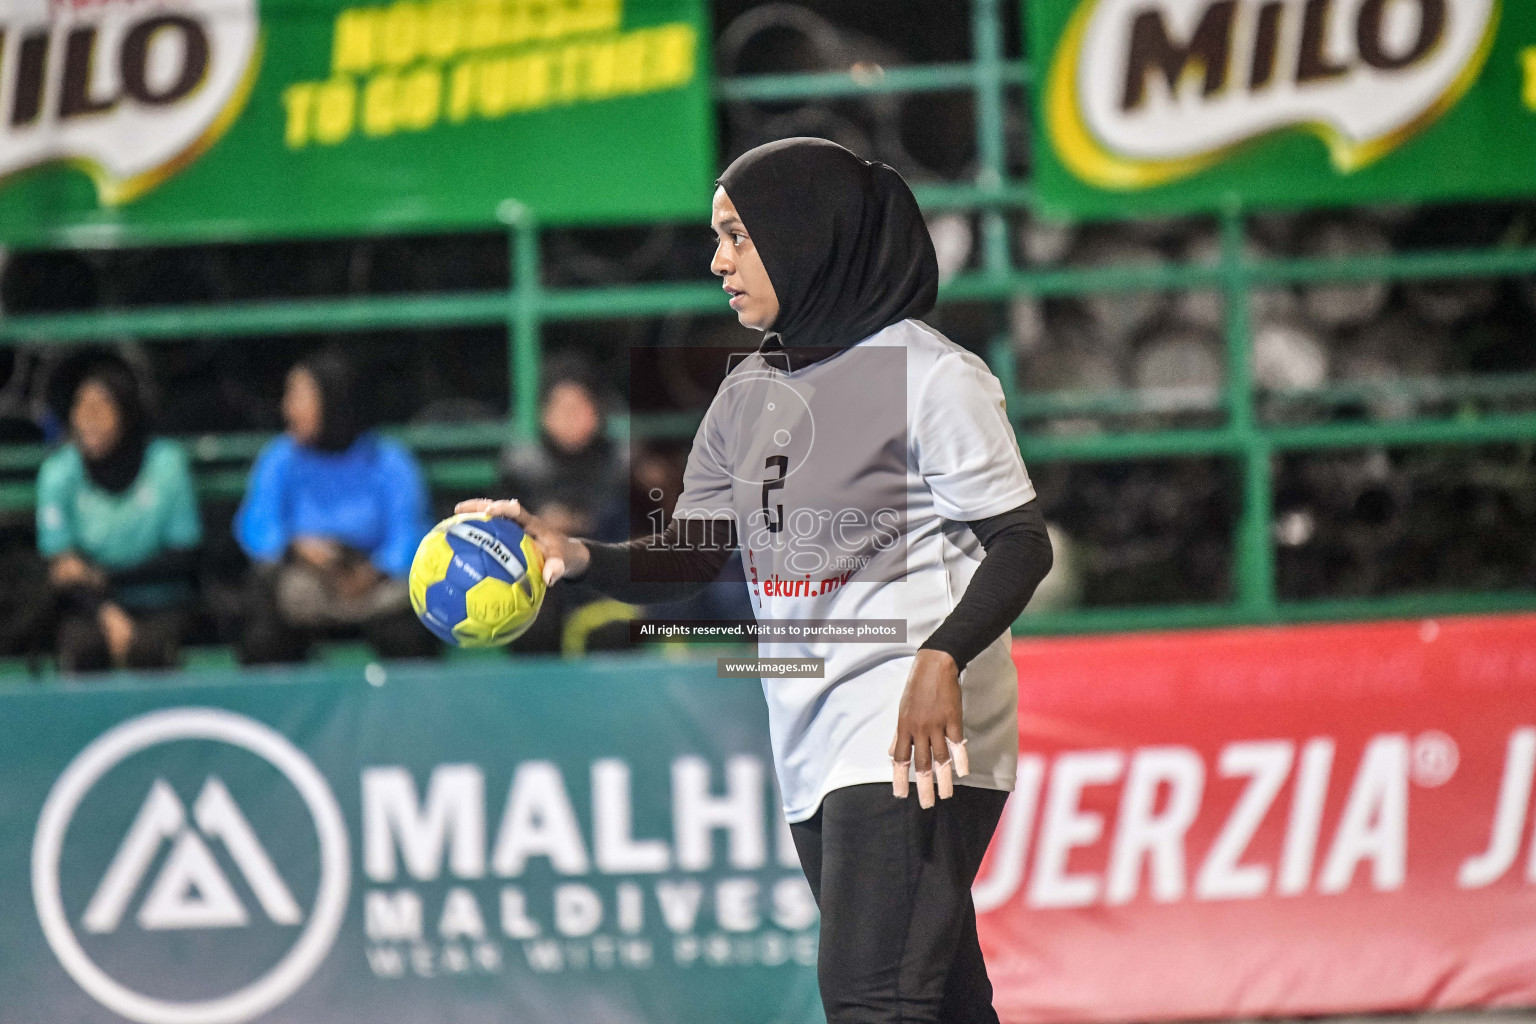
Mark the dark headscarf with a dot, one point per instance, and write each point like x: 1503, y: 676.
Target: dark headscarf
x: 340, y: 423
x: 119, y: 468
x: 841, y: 237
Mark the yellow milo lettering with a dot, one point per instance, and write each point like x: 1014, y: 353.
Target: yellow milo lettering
x: 546, y: 18
x: 524, y: 84
x: 672, y: 52
x: 600, y: 70
x: 443, y: 26
x: 536, y: 81
x: 379, y: 104
x: 513, y: 83
x: 1528, y: 62
x: 524, y: 21
x: 594, y: 15
x: 515, y: 24
x: 335, y: 110
x: 352, y: 40
x: 551, y: 19
x: 365, y: 38
x: 567, y: 85
x: 299, y: 102
x: 629, y: 63
x: 602, y: 62
x: 400, y: 34
x: 420, y: 75
x: 485, y: 24
x: 461, y: 90
x: 419, y: 99
x: 493, y: 95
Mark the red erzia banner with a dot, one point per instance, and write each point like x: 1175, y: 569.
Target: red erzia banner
x: 1262, y: 822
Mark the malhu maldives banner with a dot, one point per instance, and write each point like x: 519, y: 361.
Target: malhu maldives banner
x: 169, y: 120
x: 596, y: 841
x: 1212, y: 825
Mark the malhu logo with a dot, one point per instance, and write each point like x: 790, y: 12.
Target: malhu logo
x: 166, y: 862
x: 1141, y: 93
x: 190, y: 891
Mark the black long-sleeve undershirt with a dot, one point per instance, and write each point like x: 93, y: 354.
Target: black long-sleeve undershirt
x: 1017, y: 557
x: 641, y: 571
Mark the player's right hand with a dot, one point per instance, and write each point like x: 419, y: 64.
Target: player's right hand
x: 561, y: 554
x: 930, y: 736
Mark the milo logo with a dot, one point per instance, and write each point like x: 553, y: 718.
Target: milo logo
x: 1145, y: 92
x: 130, y: 91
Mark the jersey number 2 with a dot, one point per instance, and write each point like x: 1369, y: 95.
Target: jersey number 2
x: 775, y: 517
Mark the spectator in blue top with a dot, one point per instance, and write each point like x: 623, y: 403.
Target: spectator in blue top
x: 332, y: 517
x: 117, y: 520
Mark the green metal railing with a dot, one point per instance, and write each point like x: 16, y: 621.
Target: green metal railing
x: 527, y: 305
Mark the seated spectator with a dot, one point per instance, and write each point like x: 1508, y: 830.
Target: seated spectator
x: 332, y: 518
x: 572, y: 474
x: 117, y: 519
x: 575, y: 476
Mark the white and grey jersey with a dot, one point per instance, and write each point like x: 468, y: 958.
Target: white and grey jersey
x: 850, y: 482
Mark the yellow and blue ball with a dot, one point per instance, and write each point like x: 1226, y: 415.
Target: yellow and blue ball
x: 477, y: 580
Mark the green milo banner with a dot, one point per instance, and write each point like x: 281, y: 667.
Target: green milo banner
x: 164, y: 120
x: 538, y: 842
x: 1172, y: 106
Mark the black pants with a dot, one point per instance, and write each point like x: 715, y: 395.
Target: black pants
x: 82, y: 646
x: 893, y: 881
x: 267, y: 638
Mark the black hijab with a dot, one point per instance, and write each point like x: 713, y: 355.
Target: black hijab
x: 116, y: 471
x: 842, y: 239
x: 340, y: 424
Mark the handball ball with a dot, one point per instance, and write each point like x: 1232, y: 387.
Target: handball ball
x: 477, y: 580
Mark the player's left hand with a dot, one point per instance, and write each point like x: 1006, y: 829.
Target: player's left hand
x: 929, y: 733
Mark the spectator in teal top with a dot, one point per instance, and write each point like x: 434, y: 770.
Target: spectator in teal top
x: 117, y: 519
x: 332, y: 517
